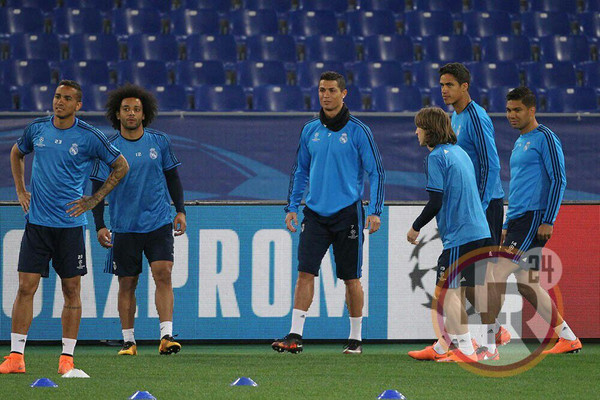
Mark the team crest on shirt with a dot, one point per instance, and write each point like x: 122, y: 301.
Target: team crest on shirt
x: 526, y: 146
x: 74, y: 149
x: 153, y: 153
x: 39, y: 142
x: 344, y: 138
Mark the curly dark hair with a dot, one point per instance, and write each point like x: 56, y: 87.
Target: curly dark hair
x: 115, y: 97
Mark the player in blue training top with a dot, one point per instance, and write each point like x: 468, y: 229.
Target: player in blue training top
x: 455, y: 202
x: 335, y: 152
x: 65, y: 150
x: 140, y: 211
x: 537, y: 185
x: 475, y: 134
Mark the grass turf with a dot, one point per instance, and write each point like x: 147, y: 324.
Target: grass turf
x: 321, y: 372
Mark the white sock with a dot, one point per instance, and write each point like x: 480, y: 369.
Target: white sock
x: 453, y: 339
x: 464, y: 343
x: 439, y: 348
x: 128, y: 335
x: 17, y: 343
x: 166, y: 328
x: 565, y: 332
x: 68, y: 346
x: 489, y: 338
x: 298, y: 318
x: 355, y: 328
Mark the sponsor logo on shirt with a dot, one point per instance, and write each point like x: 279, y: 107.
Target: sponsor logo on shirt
x: 39, y: 142
x: 316, y: 138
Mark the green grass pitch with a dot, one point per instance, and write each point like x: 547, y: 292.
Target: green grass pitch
x: 320, y: 372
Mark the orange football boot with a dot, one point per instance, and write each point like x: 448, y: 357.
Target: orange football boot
x: 565, y: 346
x: 14, y: 364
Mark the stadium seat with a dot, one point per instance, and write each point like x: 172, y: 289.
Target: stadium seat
x: 591, y: 73
x: 271, y: 48
x: 447, y: 48
x: 394, y: 6
x: 396, y: 99
x: 486, y: 23
x: 277, y: 98
x: 160, y: 5
x: 388, y: 48
x: 152, y: 47
x: 171, y: 97
x: 590, y: 24
x: 208, y: 47
x: 563, y: 6
x: 6, y: 99
x: 126, y: 21
x: 538, y: 24
x: 353, y: 99
x: 373, y: 74
x: 330, y: 48
x: 564, y: 48
x: 194, y: 73
x: 446, y: 6
x: 93, y: 47
x: 100, y: 5
x: 331, y: 5
x: 256, y: 73
x: 279, y: 6
x: 592, y: 5
x: 568, y: 100
x: 21, y: 20
x: 309, y: 72
x: 143, y: 73
x: 425, y: 74
x: 70, y: 21
x: 91, y: 72
x: 549, y: 75
x: 43, y: 5
x: 95, y: 96
x: 220, y: 98
x: 186, y: 22
x: 368, y: 23
x: 253, y: 22
x: 434, y: 95
x: 428, y: 23
x: 217, y: 5
x: 489, y: 75
x: 44, y: 46
x: 36, y: 97
x: 311, y: 23
x: 506, y: 48
x: 509, y: 6
x: 497, y: 98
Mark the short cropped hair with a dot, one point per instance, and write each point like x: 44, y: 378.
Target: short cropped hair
x: 334, y: 76
x: 436, y: 124
x: 458, y: 71
x: 74, y: 85
x: 115, y: 97
x: 523, y: 94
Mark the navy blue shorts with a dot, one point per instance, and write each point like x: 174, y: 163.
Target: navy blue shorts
x: 469, y: 274
x: 64, y: 246
x: 495, y: 218
x: 125, y: 257
x: 343, y: 230
x: 521, y: 238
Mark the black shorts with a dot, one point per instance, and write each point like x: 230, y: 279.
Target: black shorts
x: 495, y: 218
x: 521, y: 238
x: 462, y: 275
x: 64, y: 246
x: 125, y: 257
x: 343, y: 230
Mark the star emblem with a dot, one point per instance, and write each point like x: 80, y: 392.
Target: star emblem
x: 416, y: 277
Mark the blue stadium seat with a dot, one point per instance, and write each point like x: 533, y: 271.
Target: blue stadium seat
x: 489, y: 75
x: 506, y: 48
x: 100, y: 5
x: 36, y: 97
x: 353, y: 99
x: 447, y: 48
x: 143, y: 73
x: 220, y: 98
x: 253, y: 22
x: 217, y: 5
x: 367, y: 23
x: 126, y: 21
x: 275, y: 48
x: 43, y: 5
x: 589, y: 23
x: 94, y: 47
x: 538, y: 24
x: 331, y: 5
x: 428, y: 23
x: 171, y: 97
x: 186, y: 22
x: 330, y: 48
x: 277, y: 98
x: 211, y: 47
x: 426, y: 74
x: 194, y: 73
x: 446, y: 6
x: 70, y: 21
x: 6, y: 99
x: 394, y: 6
x: 25, y: 46
x: 152, y: 47
x: 388, y: 48
x: 563, y: 6
x: 279, y: 6
x: 95, y: 96
x: 591, y: 73
x: 396, y: 99
x: 21, y: 20
x: 486, y: 23
x: 373, y: 74
x: 309, y: 72
x: 592, y: 5
x: 509, y: 6
x: 497, y: 98
x: 565, y: 48
x: 160, y: 5
x: 256, y: 73
x: 311, y: 23
x: 549, y: 75
x: 92, y: 72
x: 574, y: 99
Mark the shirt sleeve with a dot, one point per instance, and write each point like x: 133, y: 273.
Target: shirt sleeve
x: 482, y: 132
x: 373, y: 165
x: 299, y: 175
x: 554, y: 163
x: 25, y: 142
x: 102, y: 149
x: 100, y: 171
x: 435, y: 173
x: 169, y: 161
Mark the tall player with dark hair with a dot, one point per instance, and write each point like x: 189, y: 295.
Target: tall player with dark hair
x: 140, y: 211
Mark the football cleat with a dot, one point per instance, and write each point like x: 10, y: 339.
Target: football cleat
x: 14, y: 363
x: 291, y: 343
x: 353, y: 347
x: 502, y: 336
x: 168, y: 345
x: 458, y: 356
x: 428, y: 353
x: 565, y: 346
x: 129, y: 349
x: 483, y: 354
x: 65, y: 364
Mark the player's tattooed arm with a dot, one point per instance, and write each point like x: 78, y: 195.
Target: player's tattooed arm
x: 119, y: 169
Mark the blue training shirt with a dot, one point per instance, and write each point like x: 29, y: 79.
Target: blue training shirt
x: 461, y: 219
x: 475, y: 133
x: 62, y: 162
x: 333, y: 165
x: 140, y: 203
x: 537, y: 175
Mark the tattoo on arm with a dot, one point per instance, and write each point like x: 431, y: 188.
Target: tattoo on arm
x: 72, y: 307
x: 119, y: 169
